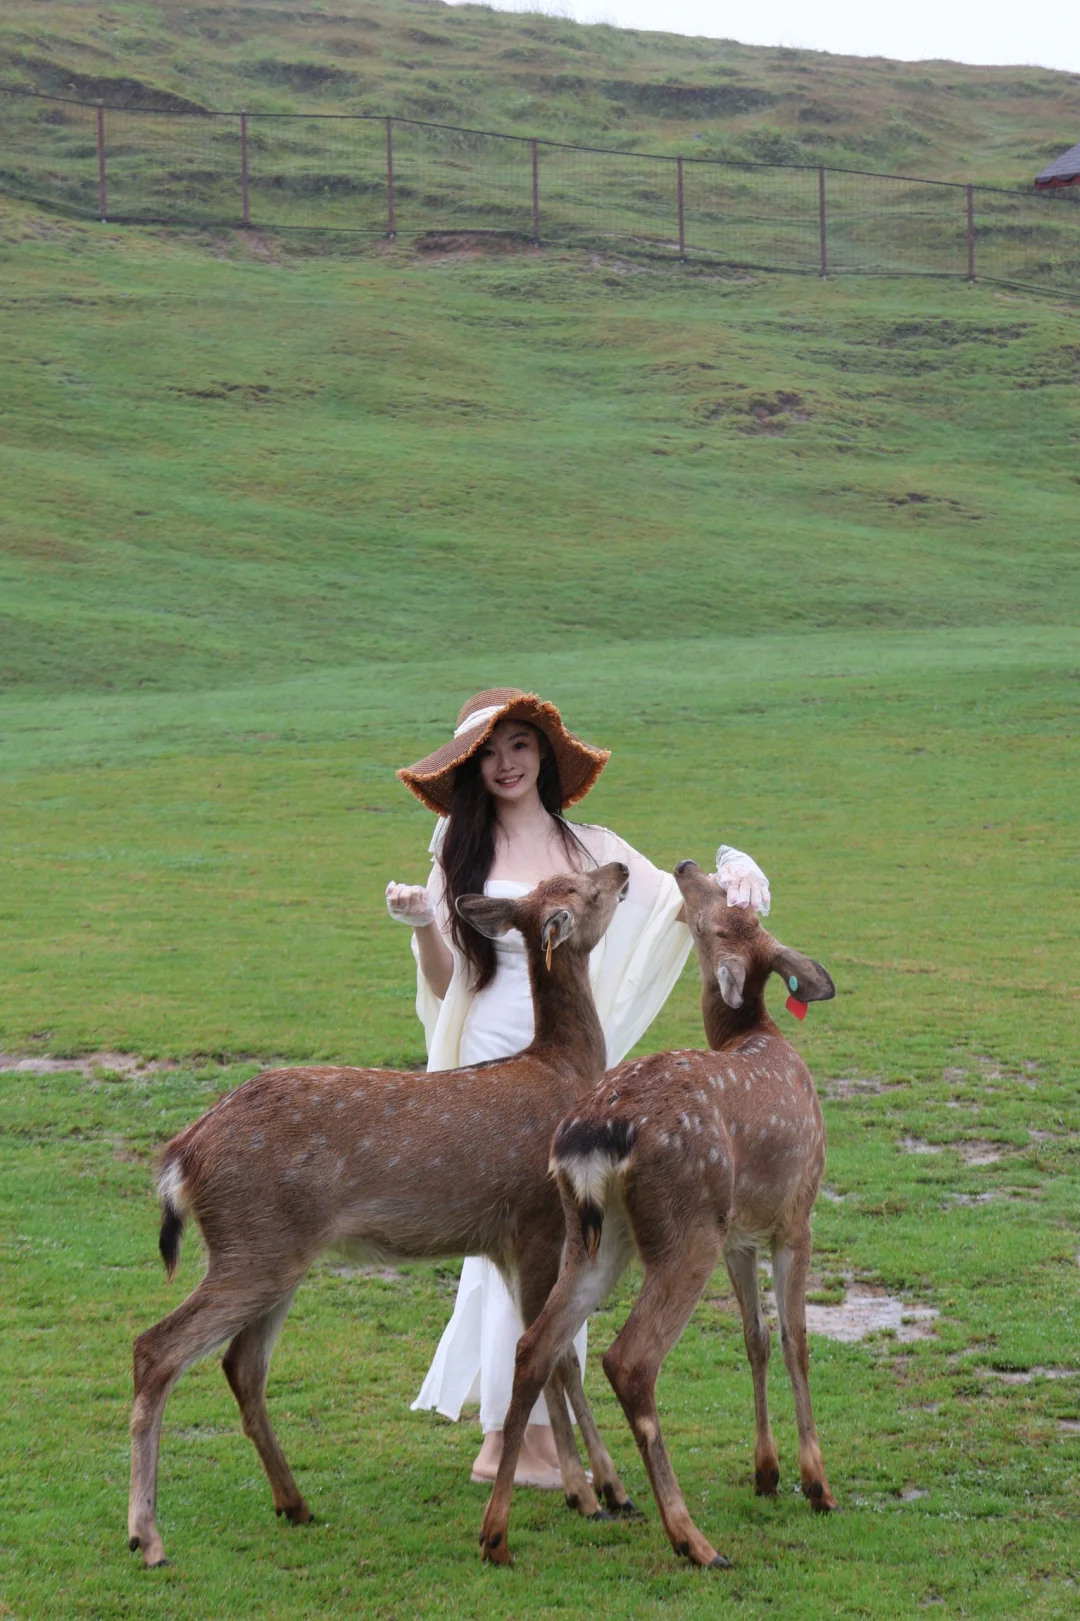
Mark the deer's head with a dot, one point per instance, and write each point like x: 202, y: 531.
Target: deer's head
x: 570, y: 910
x: 737, y: 954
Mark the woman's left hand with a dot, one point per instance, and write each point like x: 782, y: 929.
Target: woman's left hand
x: 742, y: 880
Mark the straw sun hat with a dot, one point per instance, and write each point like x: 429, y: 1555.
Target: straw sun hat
x: 432, y: 779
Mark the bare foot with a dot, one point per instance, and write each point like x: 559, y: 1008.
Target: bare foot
x: 537, y: 1465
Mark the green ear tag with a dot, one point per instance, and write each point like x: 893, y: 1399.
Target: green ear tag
x: 793, y: 983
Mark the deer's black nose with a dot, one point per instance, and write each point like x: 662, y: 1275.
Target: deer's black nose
x: 687, y: 866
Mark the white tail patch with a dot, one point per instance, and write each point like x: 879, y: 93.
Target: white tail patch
x: 589, y: 1174
x: 171, y: 1187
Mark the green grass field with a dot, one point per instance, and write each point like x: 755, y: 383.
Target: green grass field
x: 752, y: 126
x: 804, y: 556
x: 545, y: 76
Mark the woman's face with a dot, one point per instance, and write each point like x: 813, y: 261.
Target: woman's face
x: 510, y: 761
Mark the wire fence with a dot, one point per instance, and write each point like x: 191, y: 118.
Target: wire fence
x: 383, y: 176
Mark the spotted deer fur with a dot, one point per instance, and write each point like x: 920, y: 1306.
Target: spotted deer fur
x: 387, y: 1166
x: 684, y: 1157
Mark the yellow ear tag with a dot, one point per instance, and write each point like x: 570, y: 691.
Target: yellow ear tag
x: 547, y: 955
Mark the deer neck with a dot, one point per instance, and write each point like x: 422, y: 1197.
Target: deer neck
x: 567, y: 1022
x: 725, y: 1026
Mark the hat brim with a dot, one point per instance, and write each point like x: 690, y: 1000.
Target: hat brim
x: 432, y: 779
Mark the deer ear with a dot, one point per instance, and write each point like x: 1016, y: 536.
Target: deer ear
x: 488, y: 913
x: 803, y: 977
x: 731, y: 978
x: 556, y: 927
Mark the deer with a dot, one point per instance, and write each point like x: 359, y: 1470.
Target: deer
x: 683, y: 1157
x: 382, y: 1164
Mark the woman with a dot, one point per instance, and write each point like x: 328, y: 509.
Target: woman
x: 500, y: 787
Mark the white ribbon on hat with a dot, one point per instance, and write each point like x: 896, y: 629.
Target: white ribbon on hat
x: 479, y: 717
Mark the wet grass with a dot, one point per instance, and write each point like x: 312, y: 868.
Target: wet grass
x: 954, y: 1457
x: 804, y: 557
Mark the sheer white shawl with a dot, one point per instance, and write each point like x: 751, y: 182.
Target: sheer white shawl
x: 633, y: 969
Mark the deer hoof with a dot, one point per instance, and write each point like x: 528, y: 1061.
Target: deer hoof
x: 627, y: 1511
x: 766, y: 1482
x: 296, y: 1513
x: 159, y: 1564
x: 494, y: 1550
x: 822, y: 1500
x: 719, y: 1563
x: 601, y: 1514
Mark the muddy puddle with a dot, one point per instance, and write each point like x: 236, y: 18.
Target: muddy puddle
x: 863, y: 1311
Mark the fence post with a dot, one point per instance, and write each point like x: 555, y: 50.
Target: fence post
x: 971, y: 232
x: 101, y: 162
x: 535, y: 195
x: 391, y: 223
x: 682, y: 210
x: 244, y: 169
x: 822, y: 235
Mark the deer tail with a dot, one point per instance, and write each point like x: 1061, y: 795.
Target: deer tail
x: 585, y: 1156
x: 173, y: 1214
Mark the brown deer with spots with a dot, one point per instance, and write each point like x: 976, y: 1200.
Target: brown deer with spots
x: 384, y: 1165
x: 684, y: 1157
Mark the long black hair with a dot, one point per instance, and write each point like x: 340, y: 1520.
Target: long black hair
x: 468, y: 850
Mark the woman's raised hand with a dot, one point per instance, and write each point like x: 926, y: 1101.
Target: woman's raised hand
x: 742, y: 880
x: 409, y: 903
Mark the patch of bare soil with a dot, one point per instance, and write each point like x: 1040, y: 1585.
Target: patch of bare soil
x: 385, y: 1274
x: 1027, y: 1376
x: 620, y: 267
x: 971, y: 1151
x: 93, y: 1066
x: 260, y: 245
x: 983, y: 1070
x: 771, y: 413
x: 869, y: 1086
x: 471, y: 244
x: 981, y: 1153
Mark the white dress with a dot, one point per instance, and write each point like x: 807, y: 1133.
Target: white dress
x: 633, y: 971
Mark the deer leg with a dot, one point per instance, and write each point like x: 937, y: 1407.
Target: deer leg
x: 742, y: 1265
x: 791, y: 1262
x: 576, y: 1487
x: 673, y: 1285
x: 579, y: 1289
x: 211, y: 1314
x: 605, y: 1478
x: 246, y: 1363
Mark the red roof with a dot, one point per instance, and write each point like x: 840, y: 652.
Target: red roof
x: 1064, y: 171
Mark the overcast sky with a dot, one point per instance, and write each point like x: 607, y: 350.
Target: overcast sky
x: 915, y: 30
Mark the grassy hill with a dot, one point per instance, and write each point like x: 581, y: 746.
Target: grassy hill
x: 545, y: 76
x: 257, y: 500
x: 802, y: 554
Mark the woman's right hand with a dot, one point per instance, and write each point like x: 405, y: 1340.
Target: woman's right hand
x: 409, y: 903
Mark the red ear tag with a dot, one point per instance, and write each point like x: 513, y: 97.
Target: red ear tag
x: 793, y: 1005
